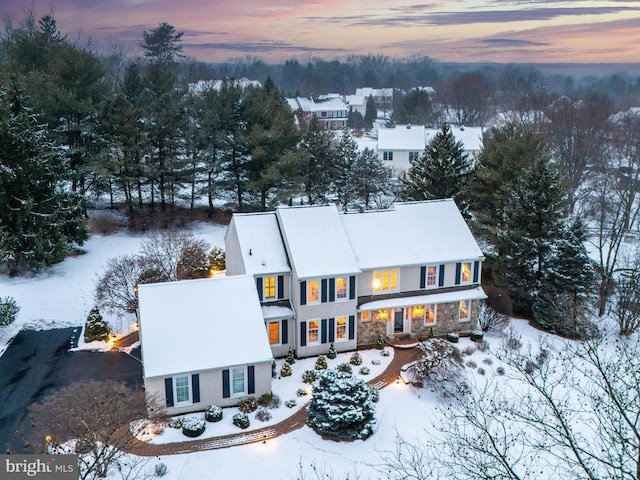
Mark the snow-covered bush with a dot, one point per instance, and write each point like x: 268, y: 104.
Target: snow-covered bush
x: 321, y: 363
x: 364, y: 371
x: 380, y: 342
x: 241, y: 420
x: 290, y: 403
x: 356, y: 359
x: 263, y: 414
x: 193, y: 426
x: 309, y: 376
x: 344, y: 367
x: 213, y: 413
x: 342, y: 406
x: 375, y: 361
x: 332, y: 352
x: 453, y: 337
x: 375, y: 394
x: 290, y: 358
x: 286, y: 370
x: 175, y: 423
x: 248, y: 404
x: 160, y: 470
x: 8, y: 311
x: 96, y: 329
x: 301, y: 393
x: 269, y: 400
x: 384, y: 353
x: 491, y: 321
x: 440, y: 369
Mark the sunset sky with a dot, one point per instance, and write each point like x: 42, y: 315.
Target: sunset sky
x: 275, y: 30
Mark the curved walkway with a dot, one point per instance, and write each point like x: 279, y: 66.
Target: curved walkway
x: 401, y: 357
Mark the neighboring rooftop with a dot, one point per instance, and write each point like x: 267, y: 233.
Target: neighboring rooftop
x: 196, y: 325
x: 416, y: 137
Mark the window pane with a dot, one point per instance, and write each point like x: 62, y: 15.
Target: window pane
x: 269, y: 287
x: 182, y: 389
x: 364, y: 316
x: 394, y: 279
x: 341, y: 287
x: 313, y: 291
x: 417, y: 312
x: 430, y: 314
x: 341, y: 328
x: 464, y: 310
x: 466, y: 272
x: 237, y: 377
x: 274, y: 333
x: 313, y: 331
x: 432, y: 275
x: 377, y: 284
x: 385, y: 280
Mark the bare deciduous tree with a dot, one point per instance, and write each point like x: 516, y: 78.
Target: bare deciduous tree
x: 469, y: 97
x: 116, y: 288
x: 166, y: 252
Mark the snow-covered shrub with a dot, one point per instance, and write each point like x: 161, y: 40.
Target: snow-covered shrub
x: 512, y: 340
x: 213, y: 413
x: 483, y: 346
x: 301, y: 392
x: 375, y: 361
x: 380, y: 342
x: 344, y: 367
x: 476, y: 336
x: 321, y: 363
x: 309, y: 376
x: 274, y: 371
x: 468, y: 350
x: 248, y: 404
x: 481, y: 371
x: 96, y: 329
x: 500, y: 371
x: 471, y: 364
x: 491, y: 321
x: 384, y: 353
x: 356, y: 359
x: 160, y: 470
x: 453, y: 337
x: 269, y: 400
x: 375, y: 394
x: 487, y: 361
x: 290, y: 403
x: 9, y: 310
x: 241, y: 420
x: 263, y: 414
x: 286, y: 370
x: 193, y: 426
x: 175, y: 423
x: 83, y: 446
x: 290, y: 359
x: 440, y: 369
x: 332, y: 354
x: 341, y: 406
x: 364, y: 371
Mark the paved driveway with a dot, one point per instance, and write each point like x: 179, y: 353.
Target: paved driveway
x: 38, y: 362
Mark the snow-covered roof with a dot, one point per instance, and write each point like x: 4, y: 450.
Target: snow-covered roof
x: 308, y: 104
x: 471, y: 137
x: 196, y: 325
x: 274, y: 312
x: 374, y: 92
x: 447, y: 297
x: 260, y: 243
x: 203, y: 85
x: 356, y: 100
x: 412, y: 233
x: 316, y: 240
x: 402, y: 137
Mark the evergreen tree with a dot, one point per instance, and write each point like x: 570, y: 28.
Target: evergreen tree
x: 371, y: 181
x: 416, y: 107
x: 344, y: 171
x: 441, y: 171
x: 315, y: 159
x: 40, y: 218
x: 371, y: 112
x: 96, y: 329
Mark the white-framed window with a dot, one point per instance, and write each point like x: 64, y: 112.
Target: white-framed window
x: 365, y: 316
x: 342, y: 287
x: 414, y: 156
x: 465, y: 272
x: 269, y: 288
x: 385, y: 280
x: 313, y: 291
x: 238, y: 383
x: 387, y: 155
x: 313, y: 332
x: 464, y: 311
x: 273, y: 329
x: 430, y: 310
x: 182, y: 390
x: 381, y: 315
x: 431, y: 279
x: 341, y: 329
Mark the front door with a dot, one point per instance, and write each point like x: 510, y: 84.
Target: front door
x: 398, y: 321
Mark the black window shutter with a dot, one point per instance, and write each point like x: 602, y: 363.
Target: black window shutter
x: 303, y: 334
x: 332, y: 330
x: 251, y: 381
x: 285, y: 331
x: 195, y: 387
x: 226, y: 387
x: 352, y: 327
x: 280, y: 287
x: 332, y: 289
x: 303, y: 293
x: 458, y: 271
x: 168, y: 391
x: 323, y: 288
x: 259, y: 285
x: 323, y: 330
x: 476, y: 269
x: 441, y: 276
x: 423, y: 277
x: 352, y: 287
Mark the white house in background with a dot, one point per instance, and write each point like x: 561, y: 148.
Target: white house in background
x: 203, y: 342
x: 382, y: 96
x: 356, y: 103
x: 397, y: 146
x: 204, y: 85
x: 331, y: 111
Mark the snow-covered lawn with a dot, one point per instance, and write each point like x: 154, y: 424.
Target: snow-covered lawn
x: 285, y: 387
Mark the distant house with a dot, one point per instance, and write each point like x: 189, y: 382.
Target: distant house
x: 331, y: 111
x: 203, y: 85
x: 397, y: 146
x: 203, y: 342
